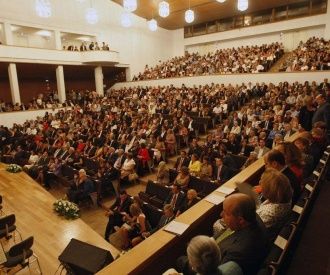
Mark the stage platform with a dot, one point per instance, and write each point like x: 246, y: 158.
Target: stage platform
x: 33, y: 207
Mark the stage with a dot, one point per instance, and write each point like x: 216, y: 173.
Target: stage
x: 33, y: 207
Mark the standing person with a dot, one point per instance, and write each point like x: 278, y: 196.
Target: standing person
x: 323, y: 111
x: 306, y: 113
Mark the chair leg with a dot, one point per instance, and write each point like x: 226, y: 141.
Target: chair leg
x: 35, y: 259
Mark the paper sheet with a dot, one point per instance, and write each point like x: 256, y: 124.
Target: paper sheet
x: 225, y: 190
x: 176, y: 228
x: 215, y: 198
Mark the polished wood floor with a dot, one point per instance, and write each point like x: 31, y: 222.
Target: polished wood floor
x: 33, y: 207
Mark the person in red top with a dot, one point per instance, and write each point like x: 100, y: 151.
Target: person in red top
x: 81, y: 146
x: 143, y: 156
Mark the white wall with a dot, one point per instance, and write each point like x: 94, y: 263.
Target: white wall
x: 137, y: 45
x: 33, y: 40
x: 8, y: 119
x: 289, y: 32
x: 230, y: 79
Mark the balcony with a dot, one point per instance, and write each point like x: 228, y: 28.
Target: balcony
x: 16, y: 54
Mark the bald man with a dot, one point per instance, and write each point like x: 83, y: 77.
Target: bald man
x: 248, y: 245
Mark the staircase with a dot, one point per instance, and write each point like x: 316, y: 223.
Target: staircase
x: 275, y: 68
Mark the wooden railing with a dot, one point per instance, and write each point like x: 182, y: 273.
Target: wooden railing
x: 160, y: 251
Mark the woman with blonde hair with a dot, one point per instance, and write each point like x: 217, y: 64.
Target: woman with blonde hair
x: 163, y: 175
x: 277, y: 192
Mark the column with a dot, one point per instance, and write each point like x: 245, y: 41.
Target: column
x: 327, y: 22
x: 13, y: 80
x: 60, y: 83
x: 8, y: 34
x: 128, y: 74
x: 58, y: 41
x: 99, y: 80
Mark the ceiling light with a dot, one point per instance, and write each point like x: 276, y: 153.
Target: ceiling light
x: 43, y: 8
x: 126, y: 20
x: 221, y: 1
x: 92, y: 16
x: 152, y: 25
x: 189, y: 16
x: 164, y: 9
x: 242, y: 5
x: 130, y: 5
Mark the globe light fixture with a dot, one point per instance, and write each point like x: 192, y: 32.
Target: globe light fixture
x: 152, y: 25
x: 126, y: 20
x: 242, y: 5
x: 43, y: 8
x: 221, y: 1
x: 164, y: 9
x: 130, y: 5
x: 189, y: 16
x: 91, y: 16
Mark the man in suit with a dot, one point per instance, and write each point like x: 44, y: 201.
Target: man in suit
x: 221, y: 173
x: 116, y: 213
x: 165, y: 219
x: 261, y: 150
x: 248, y: 245
x: 175, y: 198
x: 288, y: 132
x: 181, y: 161
x: 323, y: 111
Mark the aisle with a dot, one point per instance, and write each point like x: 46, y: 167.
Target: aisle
x: 312, y: 255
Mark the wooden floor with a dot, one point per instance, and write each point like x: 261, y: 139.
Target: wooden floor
x: 33, y: 207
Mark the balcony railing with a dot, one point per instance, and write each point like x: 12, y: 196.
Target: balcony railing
x: 46, y: 56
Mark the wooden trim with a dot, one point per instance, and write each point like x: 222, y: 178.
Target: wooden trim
x: 160, y: 249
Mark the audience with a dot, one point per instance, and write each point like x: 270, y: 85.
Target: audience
x: 92, y: 46
x: 313, y: 55
x: 248, y: 59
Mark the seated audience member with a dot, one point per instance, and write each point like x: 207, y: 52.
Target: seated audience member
x: 175, y: 198
x: 81, y: 187
x: 127, y: 168
x: 163, y: 176
x: 33, y: 159
x: 167, y: 217
x: 293, y: 159
x: 275, y: 159
x: 133, y: 228
x: 251, y: 159
x: 204, y: 257
x: 143, y: 157
x: 248, y: 243
x: 261, y: 150
x: 302, y: 144
x: 54, y: 170
x: 277, y: 192
x: 194, y: 165
x: 206, y: 170
x: 181, y: 161
x: 116, y: 213
x: 318, y: 145
x: 183, y: 178
x: 221, y: 172
x: 190, y: 200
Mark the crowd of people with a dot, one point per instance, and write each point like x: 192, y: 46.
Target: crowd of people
x: 92, y: 46
x: 248, y: 59
x: 47, y: 100
x: 313, y: 55
x: 133, y: 129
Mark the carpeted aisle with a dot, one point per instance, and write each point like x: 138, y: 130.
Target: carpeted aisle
x: 312, y: 255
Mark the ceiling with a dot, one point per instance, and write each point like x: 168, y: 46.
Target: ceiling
x: 205, y: 10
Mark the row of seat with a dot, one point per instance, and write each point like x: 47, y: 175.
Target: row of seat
x: 283, y: 244
x: 20, y: 255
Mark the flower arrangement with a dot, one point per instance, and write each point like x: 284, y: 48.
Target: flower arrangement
x: 67, y: 209
x: 14, y: 168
